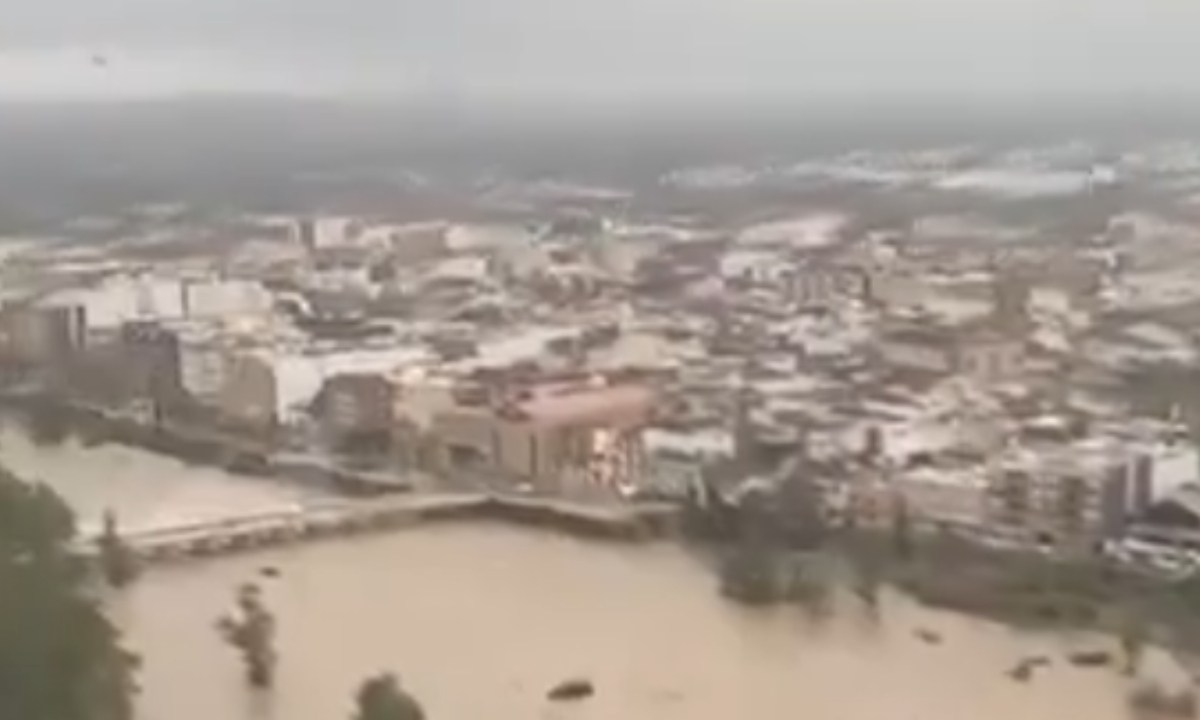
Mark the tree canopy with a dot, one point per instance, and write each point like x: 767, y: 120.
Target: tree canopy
x: 382, y: 698
x: 60, y: 658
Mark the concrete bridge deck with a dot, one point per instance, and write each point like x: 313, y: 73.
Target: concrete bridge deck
x: 347, y: 518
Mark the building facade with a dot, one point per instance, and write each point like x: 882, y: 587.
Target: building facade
x: 356, y: 410
x: 248, y: 394
x: 1071, y: 499
x: 574, y: 441
x: 151, y: 363
x: 982, y: 354
x: 953, y: 499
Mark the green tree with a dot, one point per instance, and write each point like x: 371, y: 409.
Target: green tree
x: 60, y: 658
x: 751, y: 571
x: 750, y: 574
x: 117, y: 561
x: 382, y: 698
x: 902, y: 532
x: 1133, y: 635
x: 866, y: 573
x: 800, y: 508
x: 252, y: 631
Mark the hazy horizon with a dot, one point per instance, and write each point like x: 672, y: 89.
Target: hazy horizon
x: 612, y: 52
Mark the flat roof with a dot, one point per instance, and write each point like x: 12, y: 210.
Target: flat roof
x: 618, y: 403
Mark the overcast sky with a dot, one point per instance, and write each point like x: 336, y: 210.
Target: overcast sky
x: 602, y: 49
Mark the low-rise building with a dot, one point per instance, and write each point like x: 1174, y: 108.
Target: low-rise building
x: 820, y: 285
x: 982, y: 354
x: 278, y: 387
x: 950, y: 498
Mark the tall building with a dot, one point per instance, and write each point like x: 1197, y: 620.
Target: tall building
x: 1070, y: 498
x: 66, y: 328
x: 152, y: 365
x: 306, y: 233
x: 45, y: 334
x: 1011, y: 291
x: 357, y: 411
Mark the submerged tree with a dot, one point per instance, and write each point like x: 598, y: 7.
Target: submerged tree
x: 382, y: 698
x: 117, y: 560
x: 866, y: 576
x: 751, y: 574
x: 60, y: 658
x: 800, y: 507
x: 810, y: 587
x: 902, y: 539
x: 1133, y: 635
x: 48, y: 424
x: 252, y: 632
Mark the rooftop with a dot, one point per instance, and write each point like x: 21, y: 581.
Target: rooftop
x: 619, y: 404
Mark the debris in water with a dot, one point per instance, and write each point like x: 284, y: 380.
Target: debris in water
x: 1155, y: 701
x: 1023, y: 671
x: 1090, y: 658
x: 575, y: 689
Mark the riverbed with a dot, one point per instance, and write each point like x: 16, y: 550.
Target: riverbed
x: 479, y: 620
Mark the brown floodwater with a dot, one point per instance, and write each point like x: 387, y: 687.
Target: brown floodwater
x: 479, y: 620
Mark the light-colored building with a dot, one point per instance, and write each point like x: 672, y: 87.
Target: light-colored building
x: 817, y: 285
x: 990, y: 356
x: 202, y: 366
x: 215, y: 298
x: 248, y: 391
x: 897, y: 287
x: 1072, y: 497
x: 951, y: 498
x: 278, y: 387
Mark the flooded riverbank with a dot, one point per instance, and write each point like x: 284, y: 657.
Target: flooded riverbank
x: 144, y: 489
x: 480, y: 620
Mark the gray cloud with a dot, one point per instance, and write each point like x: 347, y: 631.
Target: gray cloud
x: 611, y: 48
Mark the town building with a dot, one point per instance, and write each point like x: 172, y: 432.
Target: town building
x: 1073, y: 497
x: 678, y: 461
x: 821, y: 283
x: 36, y: 334
x: 946, y: 497
x: 574, y: 439
x: 151, y: 365
x: 356, y: 413
x: 979, y: 352
x: 277, y: 387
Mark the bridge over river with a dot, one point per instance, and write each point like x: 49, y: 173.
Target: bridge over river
x: 332, y: 519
